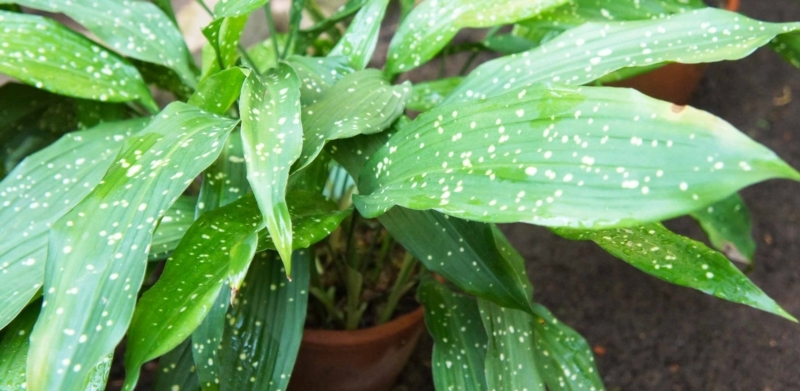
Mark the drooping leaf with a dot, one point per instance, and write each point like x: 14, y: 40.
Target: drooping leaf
x: 97, y: 252
x: 589, y: 52
x: 564, y: 156
x: 43, y: 53
x: 168, y: 312
x: 510, y: 358
x: 206, y: 340
x: 788, y: 46
x: 427, y: 95
x: 176, y: 370
x: 46, y: 185
x: 313, y: 219
x: 433, y: 23
x: 563, y: 357
x: 265, y: 326
x: 729, y: 228
x: 361, y: 103
x: 679, y: 260
x: 218, y: 92
x: 272, y: 136
x: 176, y: 221
x: 223, y: 35
x: 227, y: 8
x: 460, y: 342
x: 317, y: 75
x: 138, y: 29
x: 358, y: 42
x: 466, y: 253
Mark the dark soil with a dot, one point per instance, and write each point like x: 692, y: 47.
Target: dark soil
x: 651, y: 335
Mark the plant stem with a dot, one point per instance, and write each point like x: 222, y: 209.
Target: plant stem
x: 399, y: 288
x: 272, y: 32
x: 313, y: 9
x: 205, y: 7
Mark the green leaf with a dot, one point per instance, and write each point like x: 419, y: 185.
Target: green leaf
x: 473, y: 256
x: 176, y: 221
x: 460, y: 342
x: 729, y: 228
x: 564, y: 156
x: 788, y: 46
x: 345, y: 11
x: 14, y: 349
x: 563, y: 357
x: 226, y: 8
x: 313, y: 219
x: 593, y: 50
x: 166, y: 6
x: 510, y: 357
x: 427, y: 95
x: 263, y: 53
x: 43, y: 53
x: 138, y: 29
x: 176, y: 370
x: 97, y: 252
x: 358, y: 43
x: 226, y: 180
x: 18, y: 101
x: 361, y: 103
x: 206, y: 340
x: 295, y: 16
x: 46, y: 185
x: 168, y: 312
x: 272, y: 136
x: 432, y: 24
x: 218, y: 92
x: 679, y: 260
x: 223, y: 35
x: 163, y: 78
x: 265, y: 326
x: 317, y: 75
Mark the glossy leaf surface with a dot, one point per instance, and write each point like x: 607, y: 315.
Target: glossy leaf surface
x: 729, y: 228
x: 14, y: 349
x: 169, y: 311
x: 177, y: 369
x: 564, y: 156
x: 358, y: 42
x: 427, y: 95
x: 46, y: 185
x: 788, y: 46
x: 43, y: 53
x: 265, y: 325
x: 223, y: 36
x: 360, y: 103
x: 591, y: 51
x: 272, y: 136
x: 218, y: 92
x: 460, y: 342
x: 679, y: 260
x: 317, y: 75
x: 433, y: 23
x: 176, y: 221
x: 97, y: 252
x: 237, y: 7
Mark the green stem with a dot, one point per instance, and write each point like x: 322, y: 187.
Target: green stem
x: 313, y: 9
x: 273, y: 33
x: 205, y: 7
x: 399, y: 288
x: 466, y: 65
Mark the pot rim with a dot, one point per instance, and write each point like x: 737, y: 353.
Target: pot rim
x: 364, y: 336
x: 732, y: 5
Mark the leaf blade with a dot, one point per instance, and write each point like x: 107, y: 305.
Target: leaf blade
x: 358, y: 42
x: 729, y: 228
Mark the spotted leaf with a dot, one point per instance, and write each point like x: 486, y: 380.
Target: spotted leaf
x: 225, y: 8
x: 788, y: 46
x: 360, y: 103
x: 223, y: 36
x: 459, y: 339
x: 729, y: 228
x: 589, y: 52
x: 317, y: 75
x: 433, y: 23
x: 176, y: 221
x: 427, y: 95
x: 358, y: 42
x: 46, y: 185
x: 97, y: 252
x: 169, y: 311
x: 272, y: 136
x: 43, y: 53
x: 679, y: 260
x: 138, y: 29
x: 218, y: 92
x: 176, y: 370
x: 564, y: 156
x: 265, y: 325
x: 313, y: 219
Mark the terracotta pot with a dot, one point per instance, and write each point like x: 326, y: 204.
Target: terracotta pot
x: 360, y: 360
x: 674, y: 82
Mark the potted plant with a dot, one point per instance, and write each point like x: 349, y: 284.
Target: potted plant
x: 305, y: 157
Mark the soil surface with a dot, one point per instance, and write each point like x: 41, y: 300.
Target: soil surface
x: 656, y: 336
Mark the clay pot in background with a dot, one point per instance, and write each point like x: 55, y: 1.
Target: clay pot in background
x: 674, y: 82
x: 360, y: 360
